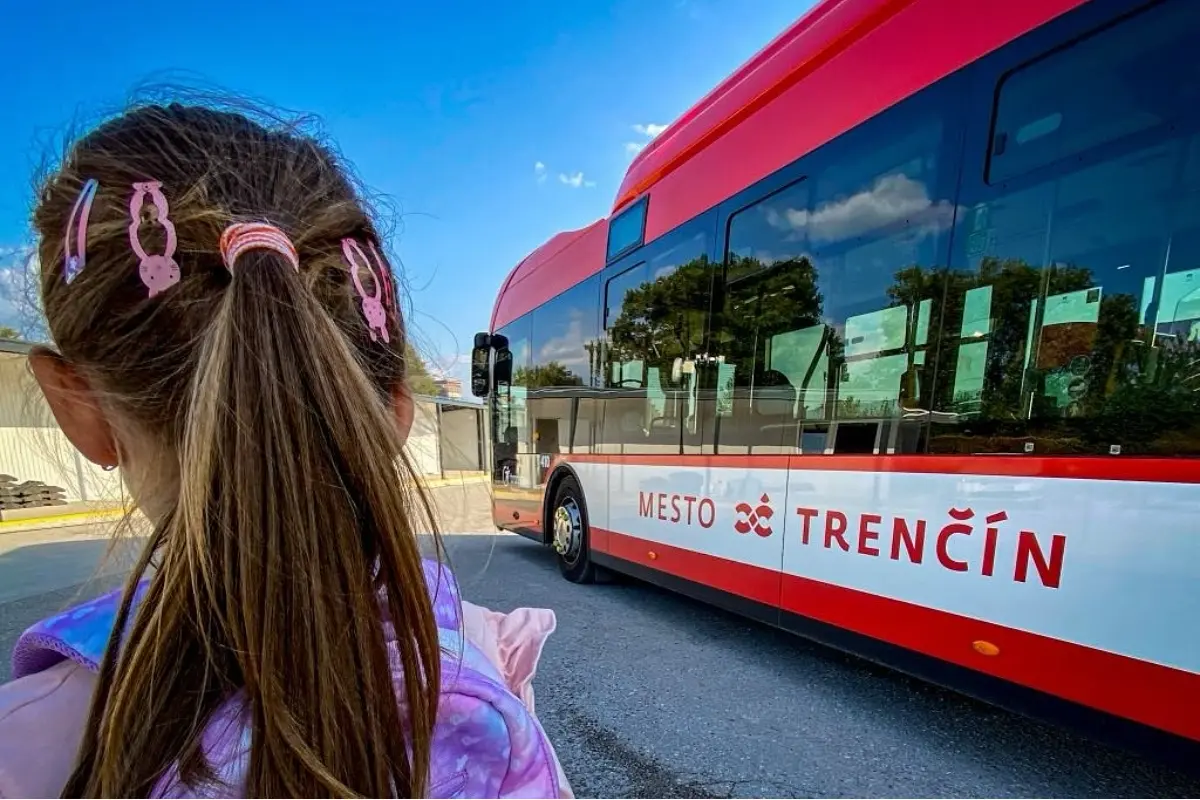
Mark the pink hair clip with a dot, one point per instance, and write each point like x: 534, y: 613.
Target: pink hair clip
x: 243, y: 236
x: 385, y: 277
x: 372, y: 309
x: 74, y: 262
x: 159, y: 273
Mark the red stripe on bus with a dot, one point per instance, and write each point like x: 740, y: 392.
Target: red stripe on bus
x: 1156, y: 695
x: 734, y: 577
x: 1105, y: 468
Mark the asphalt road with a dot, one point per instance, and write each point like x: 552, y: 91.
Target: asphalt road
x: 647, y: 694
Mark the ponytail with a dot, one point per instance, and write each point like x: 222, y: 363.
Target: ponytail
x: 297, y: 517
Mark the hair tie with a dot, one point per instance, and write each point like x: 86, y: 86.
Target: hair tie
x: 372, y: 309
x: 73, y: 263
x: 159, y: 273
x: 243, y: 236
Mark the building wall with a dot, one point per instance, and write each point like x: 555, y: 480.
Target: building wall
x: 32, y: 448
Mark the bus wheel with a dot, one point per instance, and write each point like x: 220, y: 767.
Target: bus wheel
x: 571, y: 533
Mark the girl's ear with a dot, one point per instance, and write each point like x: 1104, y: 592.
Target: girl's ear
x: 404, y: 406
x: 75, y: 406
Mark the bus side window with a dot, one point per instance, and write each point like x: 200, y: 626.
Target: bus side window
x: 654, y: 320
x: 625, y: 231
x: 1140, y: 73
x: 563, y: 355
x: 767, y: 331
x: 1074, y: 292
x: 828, y: 291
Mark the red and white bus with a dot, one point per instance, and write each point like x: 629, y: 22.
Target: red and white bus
x: 893, y: 340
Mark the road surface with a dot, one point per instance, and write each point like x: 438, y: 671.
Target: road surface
x: 647, y: 694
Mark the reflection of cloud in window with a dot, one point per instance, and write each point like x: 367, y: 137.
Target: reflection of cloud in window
x: 519, y: 350
x: 567, y: 349
x: 892, y: 198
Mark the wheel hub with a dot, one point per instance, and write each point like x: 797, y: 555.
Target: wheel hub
x: 568, y: 529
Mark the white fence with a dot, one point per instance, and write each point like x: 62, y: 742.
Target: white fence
x: 447, y: 436
x: 32, y: 448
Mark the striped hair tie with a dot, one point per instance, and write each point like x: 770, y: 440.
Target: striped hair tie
x: 243, y: 236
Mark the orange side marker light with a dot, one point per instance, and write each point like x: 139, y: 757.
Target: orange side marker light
x: 985, y: 648
x: 653, y: 555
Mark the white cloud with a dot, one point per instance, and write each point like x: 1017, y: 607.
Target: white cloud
x: 649, y: 129
x: 539, y: 171
x: 633, y: 148
x: 575, y: 181
x: 568, y: 349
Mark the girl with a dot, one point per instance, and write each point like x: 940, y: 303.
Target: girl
x: 228, y: 335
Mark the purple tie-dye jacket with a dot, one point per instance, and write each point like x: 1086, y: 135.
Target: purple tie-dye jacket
x: 486, y: 742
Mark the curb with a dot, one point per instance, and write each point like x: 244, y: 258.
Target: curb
x: 462, y: 480
x: 58, y: 521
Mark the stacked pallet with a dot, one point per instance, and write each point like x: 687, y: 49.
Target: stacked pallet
x: 28, y: 494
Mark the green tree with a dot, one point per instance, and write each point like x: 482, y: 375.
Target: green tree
x: 9, y: 333
x: 419, y: 379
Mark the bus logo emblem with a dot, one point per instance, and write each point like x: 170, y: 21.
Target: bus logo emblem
x: 754, y: 519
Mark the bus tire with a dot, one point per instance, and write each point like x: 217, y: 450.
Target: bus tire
x: 569, y: 527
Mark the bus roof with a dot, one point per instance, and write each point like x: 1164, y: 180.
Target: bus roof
x: 816, y: 80
x: 562, y: 262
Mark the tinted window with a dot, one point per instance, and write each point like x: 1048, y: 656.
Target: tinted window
x: 1073, y: 317
x: 824, y: 329
x: 625, y: 230
x: 1130, y: 77
x: 1073, y: 303
x: 565, y: 329
x: 655, y: 315
x: 655, y: 312
x: 565, y: 353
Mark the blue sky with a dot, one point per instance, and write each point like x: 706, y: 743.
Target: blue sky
x: 445, y: 107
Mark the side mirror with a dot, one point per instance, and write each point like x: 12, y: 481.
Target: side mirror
x: 481, y: 383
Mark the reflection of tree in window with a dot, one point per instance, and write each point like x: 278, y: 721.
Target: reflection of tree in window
x: 1071, y: 332
x: 547, y: 375
x: 774, y: 310
x: 829, y: 247
x: 565, y: 330
x: 655, y: 324
x: 658, y: 320
x: 875, y: 218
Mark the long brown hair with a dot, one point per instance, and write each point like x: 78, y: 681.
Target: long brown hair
x: 291, y: 508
